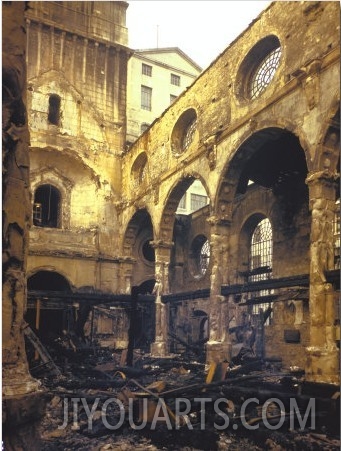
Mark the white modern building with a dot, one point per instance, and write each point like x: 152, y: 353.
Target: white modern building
x: 156, y: 77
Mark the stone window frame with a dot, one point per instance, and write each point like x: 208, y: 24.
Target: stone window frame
x: 139, y: 170
x: 54, y: 203
x: 54, y: 114
x: 264, y: 73
x: 184, y: 131
x: 252, y: 66
x: 48, y: 176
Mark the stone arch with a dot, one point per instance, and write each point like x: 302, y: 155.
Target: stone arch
x: 245, y: 236
x: 138, y: 170
x: 175, y: 194
x: 45, y: 315
x: 270, y: 157
x: 139, y: 220
x: 185, y: 125
x: 51, y: 176
x: 50, y: 273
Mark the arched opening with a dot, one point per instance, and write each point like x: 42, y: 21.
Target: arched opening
x: 47, y: 314
x: 46, y: 206
x: 138, y: 244
x: 184, y: 219
x: 54, y: 109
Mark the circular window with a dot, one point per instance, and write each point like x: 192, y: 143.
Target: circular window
x: 264, y: 73
x: 258, y: 68
x: 148, y: 252
x: 189, y: 135
x: 200, y: 256
x: 184, y: 131
x: 139, y: 170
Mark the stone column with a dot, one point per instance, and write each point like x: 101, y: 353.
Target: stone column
x: 162, y: 257
x: 125, y: 275
x: 22, y: 402
x: 219, y: 345
x: 322, y: 354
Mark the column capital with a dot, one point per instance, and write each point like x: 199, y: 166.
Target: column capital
x: 325, y: 177
x: 161, y: 244
x: 215, y: 220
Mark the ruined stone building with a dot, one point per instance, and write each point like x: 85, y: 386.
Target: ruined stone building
x: 259, y: 129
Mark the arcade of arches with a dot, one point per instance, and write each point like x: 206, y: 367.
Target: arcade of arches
x: 258, y: 247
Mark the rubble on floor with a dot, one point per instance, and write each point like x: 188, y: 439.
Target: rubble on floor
x: 98, y: 403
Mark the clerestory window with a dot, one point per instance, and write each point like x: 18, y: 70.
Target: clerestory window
x: 264, y: 73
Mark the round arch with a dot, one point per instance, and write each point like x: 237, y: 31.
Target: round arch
x: 43, y: 278
x: 270, y: 157
x: 175, y: 193
x: 140, y: 219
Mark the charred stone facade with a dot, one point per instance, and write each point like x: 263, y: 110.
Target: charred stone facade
x: 265, y: 146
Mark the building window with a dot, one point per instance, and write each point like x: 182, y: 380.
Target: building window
x: 54, y: 110
x: 182, y: 203
x: 260, y: 267
x: 146, y: 70
x: 204, y: 257
x: 264, y: 73
x: 146, y: 98
x: 189, y: 134
x: 198, y: 201
x: 46, y: 206
x: 172, y: 98
x: 175, y: 80
x: 144, y: 127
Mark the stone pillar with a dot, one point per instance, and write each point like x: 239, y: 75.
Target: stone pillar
x: 22, y: 402
x: 125, y: 275
x: 162, y: 257
x: 322, y: 354
x: 219, y: 345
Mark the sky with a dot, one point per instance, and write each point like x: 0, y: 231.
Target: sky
x: 202, y: 29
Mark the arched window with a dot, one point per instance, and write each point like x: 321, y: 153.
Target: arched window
x: 54, y: 110
x: 46, y: 206
x: 260, y: 262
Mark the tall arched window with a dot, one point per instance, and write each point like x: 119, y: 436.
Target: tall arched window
x: 261, y: 250
x: 46, y: 206
x: 261, y: 258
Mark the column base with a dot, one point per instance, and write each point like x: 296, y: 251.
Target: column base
x: 158, y: 349
x: 218, y: 352
x: 322, y: 365
x: 21, y: 416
